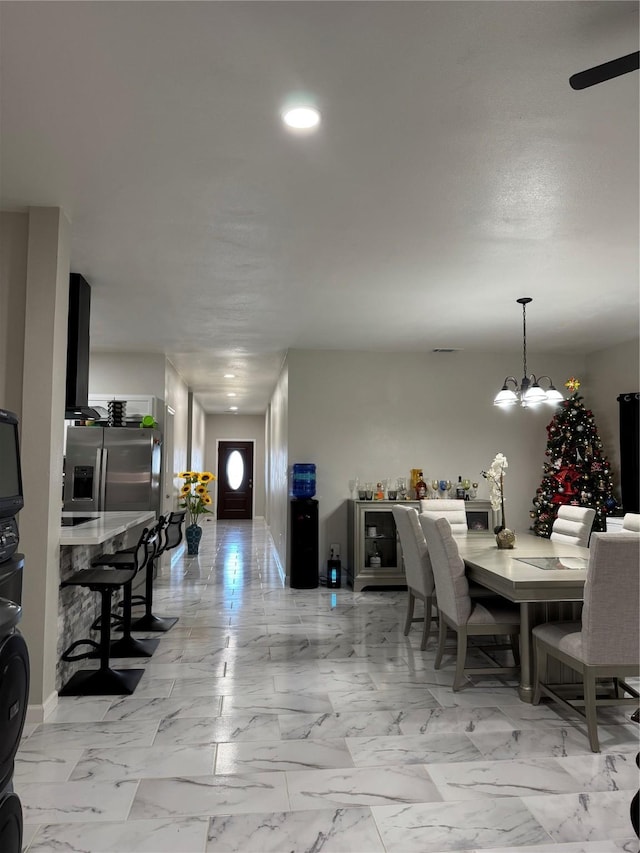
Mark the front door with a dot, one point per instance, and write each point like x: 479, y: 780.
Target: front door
x: 235, y: 479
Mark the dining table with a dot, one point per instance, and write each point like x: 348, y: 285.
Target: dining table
x: 538, y: 574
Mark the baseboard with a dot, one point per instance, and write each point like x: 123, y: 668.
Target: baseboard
x: 39, y: 713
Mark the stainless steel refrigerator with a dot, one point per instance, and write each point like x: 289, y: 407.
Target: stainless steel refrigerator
x: 109, y: 469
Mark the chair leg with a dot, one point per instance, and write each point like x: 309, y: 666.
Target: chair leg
x: 459, y: 679
x: 515, y: 648
x: 539, y: 671
x: 410, y: 605
x: 149, y: 622
x: 442, y: 635
x: 127, y: 646
x: 590, y: 710
x: 426, y: 628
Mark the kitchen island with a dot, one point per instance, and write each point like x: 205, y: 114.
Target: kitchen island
x: 80, y: 543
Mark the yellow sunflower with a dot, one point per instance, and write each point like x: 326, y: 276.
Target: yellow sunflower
x: 201, y: 490
x: 206, y: 499
x: 185, y: 489
x: 206, y: 477
x: 185, y: 475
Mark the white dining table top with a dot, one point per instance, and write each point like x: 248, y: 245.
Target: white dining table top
x: 508, y: 572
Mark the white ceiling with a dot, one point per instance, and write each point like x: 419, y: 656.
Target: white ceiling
x: 455, y: 170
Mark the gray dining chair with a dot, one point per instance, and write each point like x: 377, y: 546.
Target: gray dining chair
x: 453, y: 510
x: 604, y: 645
x: 458, y: 611
x: 417, y: 566
x: 573, y: 525
x: 631, y: 522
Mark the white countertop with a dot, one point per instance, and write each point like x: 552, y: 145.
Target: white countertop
x: 104, y: 526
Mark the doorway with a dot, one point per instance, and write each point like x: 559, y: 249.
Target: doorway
x: 235, y: 480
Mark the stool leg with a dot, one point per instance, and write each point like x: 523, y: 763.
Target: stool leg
x: 127, y: 646
x: 103, y: 681
x: 149, y: 622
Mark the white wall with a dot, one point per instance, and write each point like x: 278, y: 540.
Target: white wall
x: 14, y: 233
x: 176, y: 396
x: 378, y: 415
x: 609, y: 373
x: 276, y: 428
x: 128, y: 373
x: 239, y: 428
x: 198, y: 436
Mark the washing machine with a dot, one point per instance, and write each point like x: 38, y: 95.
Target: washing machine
x: 14, y: 695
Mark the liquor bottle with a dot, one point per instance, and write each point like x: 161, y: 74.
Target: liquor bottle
x: 421, y: 488
x: 459, y: 489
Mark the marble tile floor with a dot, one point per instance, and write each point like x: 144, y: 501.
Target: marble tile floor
x: 276, y: 720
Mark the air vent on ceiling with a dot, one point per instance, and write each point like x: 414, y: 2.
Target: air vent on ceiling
x: 447, y: 349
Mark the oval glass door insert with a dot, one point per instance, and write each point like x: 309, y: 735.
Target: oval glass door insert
x: 235, y: 470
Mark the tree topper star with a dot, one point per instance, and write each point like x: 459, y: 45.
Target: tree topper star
x: 572, y: 384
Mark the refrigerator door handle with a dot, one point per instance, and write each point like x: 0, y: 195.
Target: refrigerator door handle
x: 101, y: 462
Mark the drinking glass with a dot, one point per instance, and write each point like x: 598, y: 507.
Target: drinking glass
x: 434, y: 488
x: 353, y: 487
x: 368, y: 487
x: 402, y: 488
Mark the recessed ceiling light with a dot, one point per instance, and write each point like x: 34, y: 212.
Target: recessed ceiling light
x: 233, y: 408
x: 231, y: 394
x: 229, y: 376
x: 301, y: 118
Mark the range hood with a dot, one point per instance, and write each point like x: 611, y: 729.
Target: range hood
x: 77, y: 390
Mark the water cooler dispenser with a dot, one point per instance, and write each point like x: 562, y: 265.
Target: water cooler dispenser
x: 303, y: 528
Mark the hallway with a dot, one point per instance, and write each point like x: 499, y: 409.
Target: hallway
x: 272, y: 719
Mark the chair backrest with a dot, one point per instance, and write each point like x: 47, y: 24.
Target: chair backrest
x: 146, y: 546
x: 610, y: 615
x: 452, y: 588
x: 573, y: 525
x: 631, y: 521
x: 452, y: 510
x: 172, y: 535
x: 417, y: 564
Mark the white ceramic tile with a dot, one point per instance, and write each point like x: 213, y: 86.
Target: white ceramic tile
x: 209, y: 795
x: 468, y: 720
x: 360, y: 787
x: 186, y: 835
x: 87, y: 735
x: 79, y: 709
x: 328, y: 830
x: 132, y: 708
x: 435, y: 827
x: 583, y: 817
x: 277, y: 703
x: 209, y: 730
x: 47, y: 765
x: 602, y: 772
x: 350, y: 724
x: 145, y: 762
x: 527, y: 777
x: 66, y: 802
x: 382, y: 700
x: 282, y: 755
x: 411, y: 749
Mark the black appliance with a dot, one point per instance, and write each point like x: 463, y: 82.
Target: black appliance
x: 14, y: 658
x: 303, y: 539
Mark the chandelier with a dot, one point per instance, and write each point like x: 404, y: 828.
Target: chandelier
x: 529, y: 392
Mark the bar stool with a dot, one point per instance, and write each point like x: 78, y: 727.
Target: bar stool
x: 170, y: 534
x: 103, y: 681
x: 134, y: 560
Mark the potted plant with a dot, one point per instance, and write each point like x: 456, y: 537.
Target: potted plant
x: 505, y: 538
x: 195, y: 498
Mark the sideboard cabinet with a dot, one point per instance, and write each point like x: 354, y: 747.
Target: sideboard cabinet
x: 374, y: 554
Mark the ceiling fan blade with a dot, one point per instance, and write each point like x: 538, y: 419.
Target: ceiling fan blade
x: 600, y: 73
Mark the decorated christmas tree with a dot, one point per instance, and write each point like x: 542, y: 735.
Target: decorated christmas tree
x: 576, y: 471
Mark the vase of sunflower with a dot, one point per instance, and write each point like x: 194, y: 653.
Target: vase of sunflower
x: 195, y: 498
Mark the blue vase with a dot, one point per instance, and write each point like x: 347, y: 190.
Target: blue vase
x: 193, y: 534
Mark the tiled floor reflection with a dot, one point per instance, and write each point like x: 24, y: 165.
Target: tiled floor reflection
x: 272, y: 719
